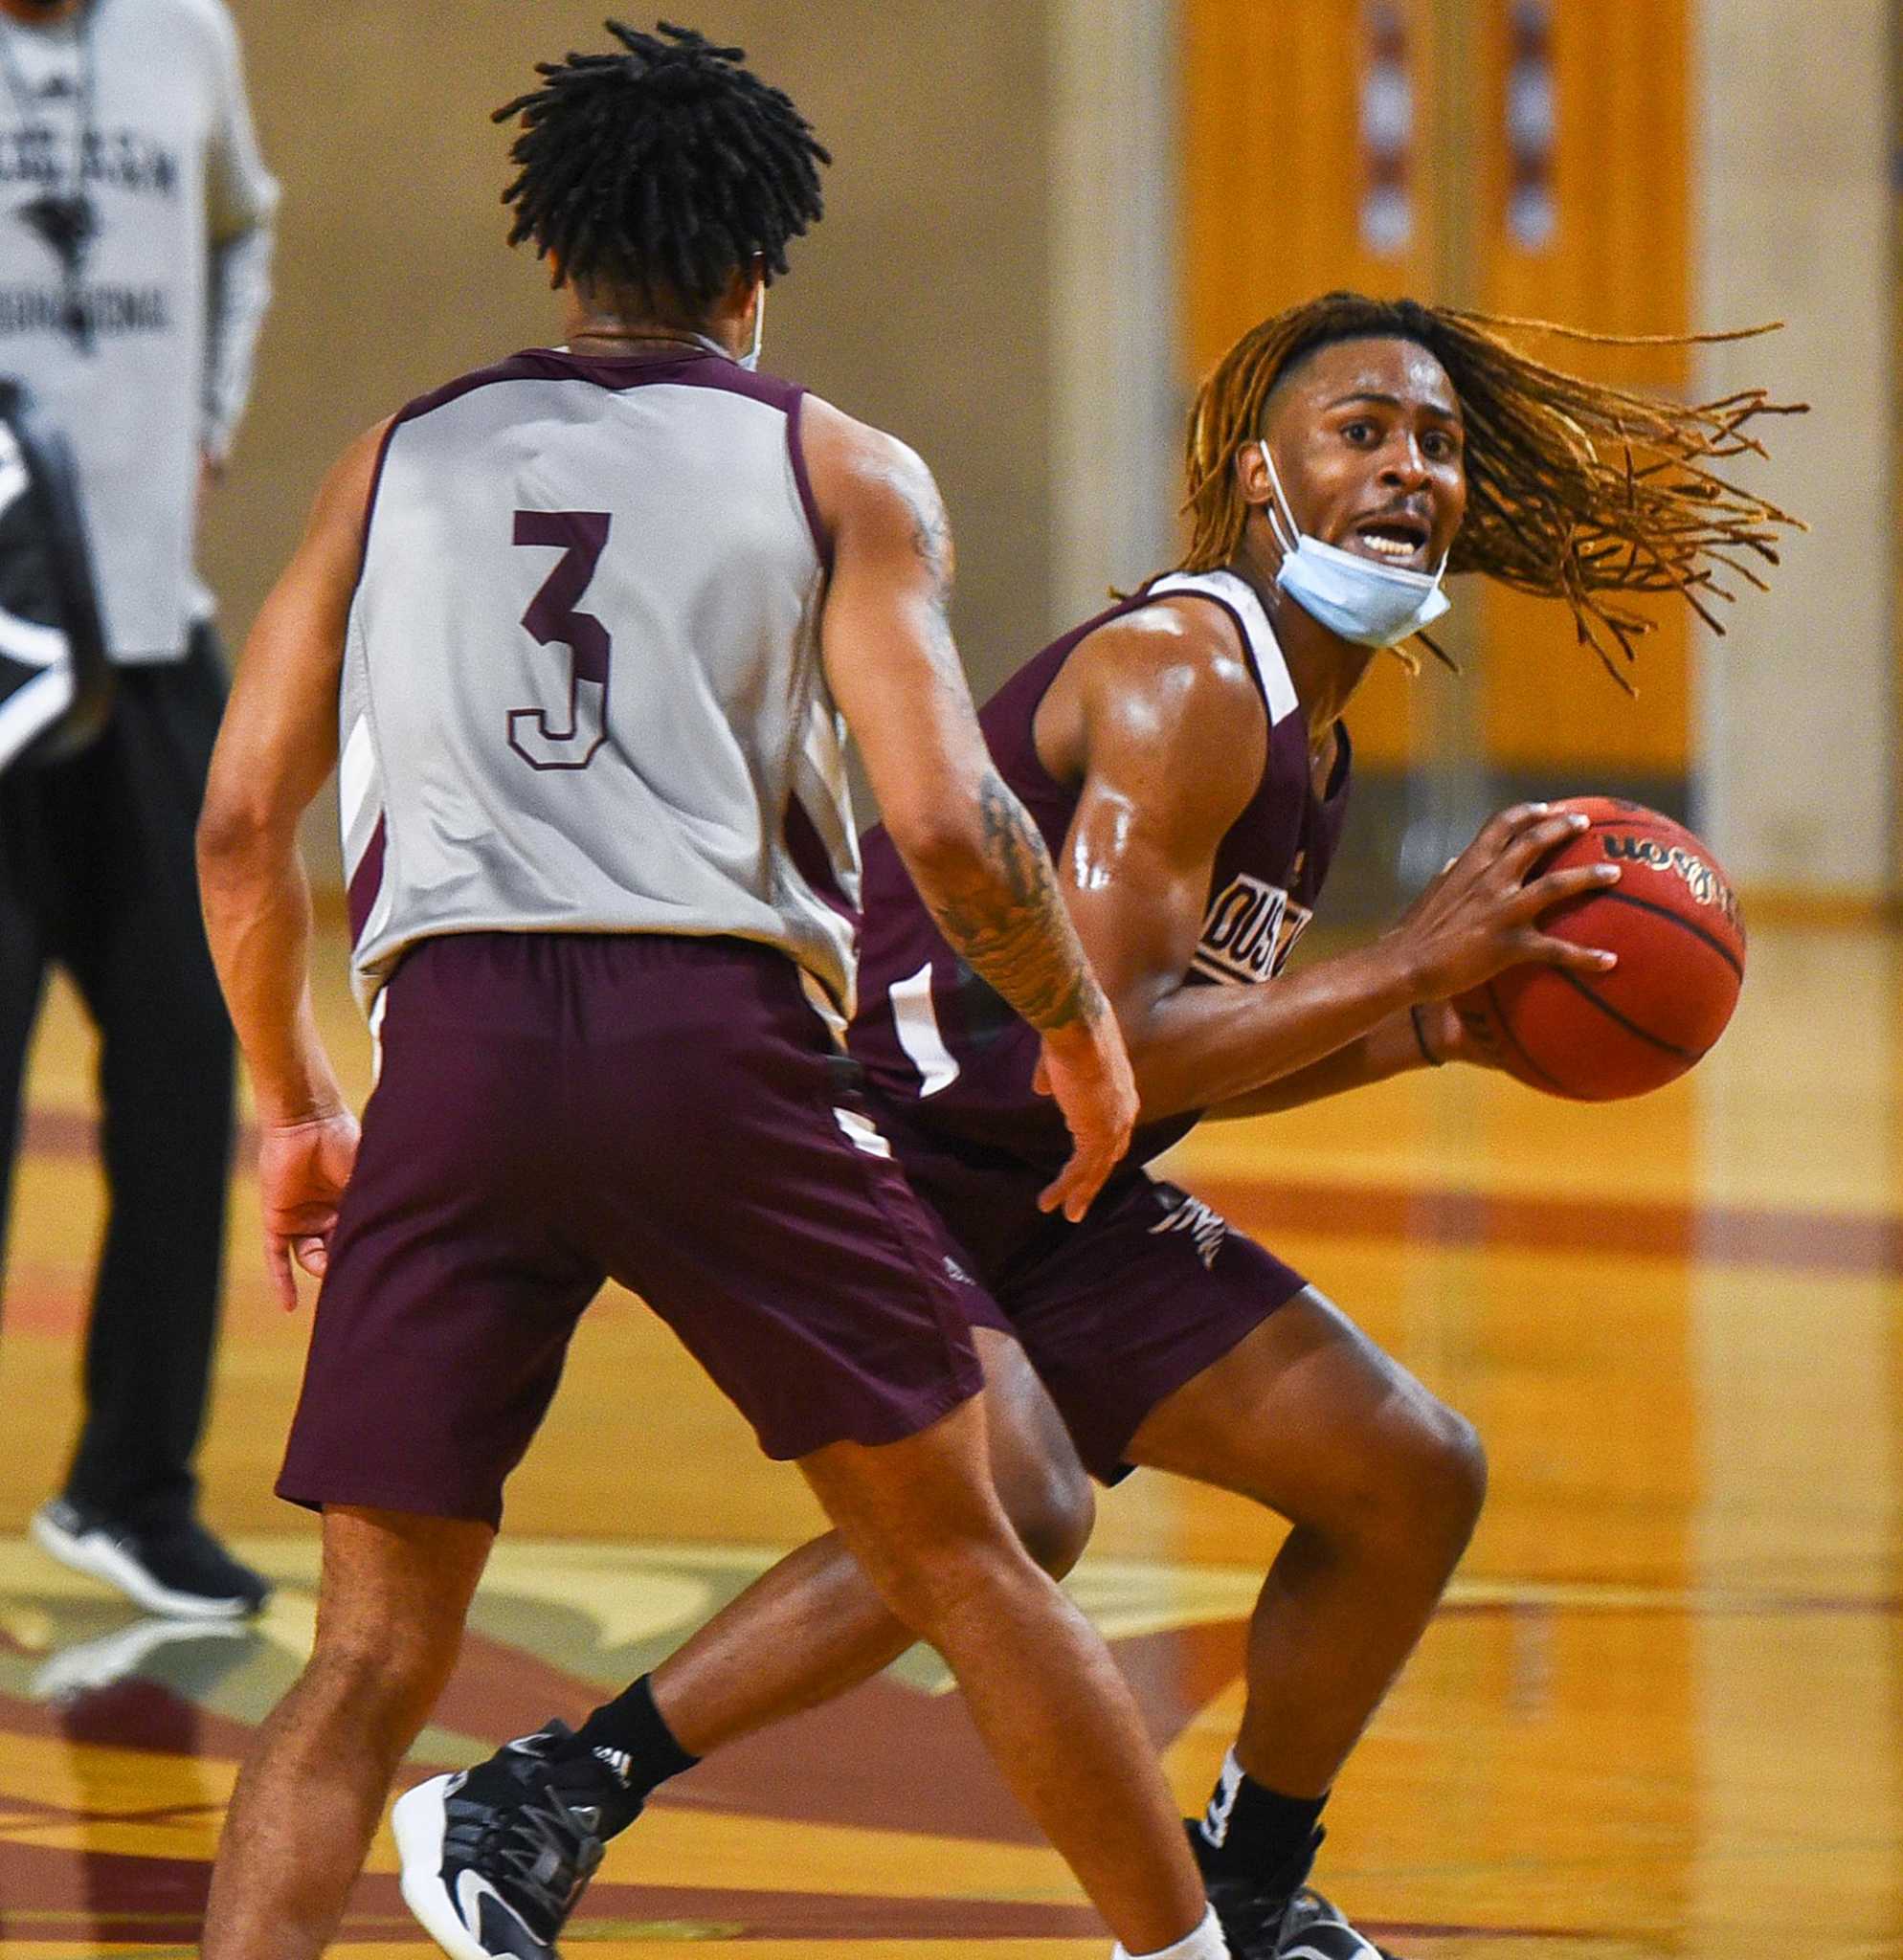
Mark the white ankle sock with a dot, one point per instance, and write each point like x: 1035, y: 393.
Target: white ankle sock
x: 1202, y: 1942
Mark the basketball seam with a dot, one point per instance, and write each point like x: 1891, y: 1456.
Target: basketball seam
x: 1631, y: 1027
x: 1654, y: 906
x: 1650, y: 820
x: 1505, y: 1027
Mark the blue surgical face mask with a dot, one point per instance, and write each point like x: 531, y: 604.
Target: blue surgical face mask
x: 1361, y: 599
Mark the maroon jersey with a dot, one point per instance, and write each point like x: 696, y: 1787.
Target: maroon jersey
x: 936, y: 1040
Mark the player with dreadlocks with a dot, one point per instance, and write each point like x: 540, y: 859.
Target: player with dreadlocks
x: 587, y: 629
x: 1184, y: 757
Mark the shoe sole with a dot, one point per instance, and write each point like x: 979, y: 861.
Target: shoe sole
x: 100, y: 1664
x: 417, y: 1820
x: 94, y: 1553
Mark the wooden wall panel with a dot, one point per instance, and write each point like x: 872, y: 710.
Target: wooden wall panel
x: 1271, y: 119
x: 1271, y: 183
x: 1271, y: 186
x: 1619, y: 263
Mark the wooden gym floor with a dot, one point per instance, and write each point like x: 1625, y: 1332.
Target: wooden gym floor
x: 1662, y: 1713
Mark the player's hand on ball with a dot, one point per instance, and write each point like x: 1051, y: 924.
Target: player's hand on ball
x: 1087, y: 1068
x: 1480, y: 914
x: 303, y: 1167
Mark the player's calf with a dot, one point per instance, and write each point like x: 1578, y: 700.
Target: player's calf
x: 495, y: 1859
x: 1058, y: 1719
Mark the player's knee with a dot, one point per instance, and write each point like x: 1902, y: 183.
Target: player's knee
x: 1407, y: 1486
x: 389, y: 1685
x: 1445, y: 1476
x: 1053, y: 1511
x: 931, y: 1585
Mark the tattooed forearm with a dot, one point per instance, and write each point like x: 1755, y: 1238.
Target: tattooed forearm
x: 991, y: 886
x: 932, y: 541
x: 931, y: 537
x: 1008, y: 920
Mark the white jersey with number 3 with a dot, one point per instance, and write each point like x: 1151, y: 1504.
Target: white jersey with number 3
x: 581, y: 684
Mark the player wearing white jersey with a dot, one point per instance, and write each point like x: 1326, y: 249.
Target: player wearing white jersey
x: 583, y: 628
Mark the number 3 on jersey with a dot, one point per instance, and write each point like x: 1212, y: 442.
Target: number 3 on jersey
x: 551, y: 619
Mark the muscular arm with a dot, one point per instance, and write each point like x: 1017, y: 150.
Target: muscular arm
x: 1163, y: 724
x: 1386, y: 1050
x: 277, y: 743
x: 968, y: 843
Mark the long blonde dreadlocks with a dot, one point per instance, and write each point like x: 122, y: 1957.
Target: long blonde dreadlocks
x: 1575, y: 491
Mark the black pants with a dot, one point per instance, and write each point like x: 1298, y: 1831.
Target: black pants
x: 96, y: 874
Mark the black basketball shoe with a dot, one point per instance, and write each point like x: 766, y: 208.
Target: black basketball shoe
x: 495, y: 1858
x: 179, y: 1571
x: 1279, y: 1916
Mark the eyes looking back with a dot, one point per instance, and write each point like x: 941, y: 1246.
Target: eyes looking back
x: 1438, y: 442
x: 1380, y: 400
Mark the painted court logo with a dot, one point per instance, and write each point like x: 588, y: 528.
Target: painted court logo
x: 1249, y: 931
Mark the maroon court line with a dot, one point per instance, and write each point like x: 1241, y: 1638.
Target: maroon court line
x: 1864, y: 1244
x: 1861, y: 1244
x: 127, y: 1898
x: 1742, y: 1606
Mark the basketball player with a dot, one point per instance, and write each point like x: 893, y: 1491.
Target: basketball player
x: 581, y: 620
x: 1184, y: 758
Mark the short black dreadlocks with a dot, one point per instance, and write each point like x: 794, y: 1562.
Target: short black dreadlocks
x: 661, y: 172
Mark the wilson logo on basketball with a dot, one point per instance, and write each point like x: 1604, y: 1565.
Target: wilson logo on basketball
x: 1250, y: 932
x: 1699, y: 878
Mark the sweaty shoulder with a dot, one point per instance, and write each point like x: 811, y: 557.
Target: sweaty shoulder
x: 1168, y: 685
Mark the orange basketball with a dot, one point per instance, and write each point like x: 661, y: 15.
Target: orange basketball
x: 1675, y: 926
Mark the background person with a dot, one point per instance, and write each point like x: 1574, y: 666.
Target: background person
x: 135, y: 240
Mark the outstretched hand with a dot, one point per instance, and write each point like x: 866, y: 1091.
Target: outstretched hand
x: 1086, y: 1068
x: 303, y: 1167
x: 1480, y: 914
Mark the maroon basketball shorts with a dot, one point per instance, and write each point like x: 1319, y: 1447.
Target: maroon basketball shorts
x: 557, y: 1109
x: 1115, y: 1313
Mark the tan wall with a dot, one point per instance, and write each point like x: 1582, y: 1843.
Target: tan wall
x: 1796, y: 715
x: 920, y: 303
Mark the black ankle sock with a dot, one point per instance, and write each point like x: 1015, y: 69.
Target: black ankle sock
x: 632, y: 1737
x: 1250, y: 1830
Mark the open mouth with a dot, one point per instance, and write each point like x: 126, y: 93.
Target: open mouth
x: 1393, y: 540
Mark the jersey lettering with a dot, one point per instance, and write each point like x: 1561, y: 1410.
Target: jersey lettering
x: 553, y: 620
x: 1250, y: 932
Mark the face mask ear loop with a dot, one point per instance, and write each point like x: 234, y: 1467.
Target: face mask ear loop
x: 750, y: 360
x: 1289, y: 541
